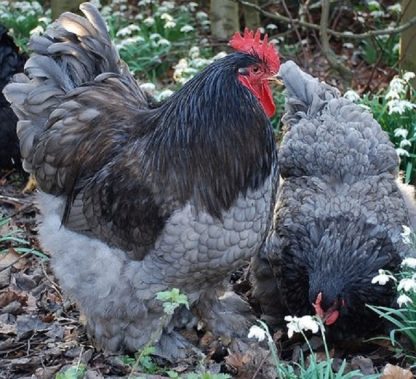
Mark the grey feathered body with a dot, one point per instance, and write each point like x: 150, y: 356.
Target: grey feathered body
x: 139, y: 197
x: 339, y: 210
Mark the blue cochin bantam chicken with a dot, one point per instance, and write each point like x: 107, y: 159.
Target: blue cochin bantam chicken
x: 139, y: 197
x: 338, y: 216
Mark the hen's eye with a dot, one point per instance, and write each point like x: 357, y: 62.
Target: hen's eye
x: 256, y: 69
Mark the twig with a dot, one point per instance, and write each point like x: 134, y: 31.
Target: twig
x: 326, y: 49
x: 12, y: 264
x: 260, y: 365
x: 297, y: 33
x: 372, y: 33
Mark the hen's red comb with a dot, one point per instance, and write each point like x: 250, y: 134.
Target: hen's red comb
x: 252, y: 43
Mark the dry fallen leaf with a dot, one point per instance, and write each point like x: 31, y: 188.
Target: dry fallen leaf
x: 396, y: 372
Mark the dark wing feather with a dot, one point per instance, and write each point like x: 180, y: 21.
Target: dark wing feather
x: 80, y: 132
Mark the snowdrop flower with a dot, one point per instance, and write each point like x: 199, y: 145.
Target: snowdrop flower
x: 404, y: 143
x: 257, y: 332
x: 297, y: 324
x: 36, y: 31
x: 163, y: 42
x: 164, y: 94
x: 404, y: 300
x: 401, y: 132
x: 348, y: 45
x: 166, y: 17
x: 149, y: 21
x: 377, y: 14
x: 128, y: 30
x: 170, y: 24
x: 402, y: 152
x: 399, y: 106
x: 194, y: 52
x: 187, y: 28
x: 351, y: 95
x: 201, y: 15
x: 407, y: 285
x: 382, y: 278
x: 192, y: 6
x: 373, y: 4
x: 396, y: 88
x: 409, y: 262
x: 396, y: 8
x: 271, y: 27
x: 148, y: 87
x: 408, y: 75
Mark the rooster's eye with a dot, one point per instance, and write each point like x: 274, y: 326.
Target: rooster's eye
x: 256, y: 69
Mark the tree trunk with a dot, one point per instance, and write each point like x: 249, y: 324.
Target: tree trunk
x: 408, y: 38
x: 252, y: 16
x: 61, y: 6
x: 224, y: 19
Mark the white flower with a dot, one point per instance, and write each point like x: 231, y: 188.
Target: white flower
x: 166, y: 17
x: 396, y: 8
x: 404, y: 143
x: 297, y: 324
x: 404, y: 300
x: 170, y: 24
x: 187, y: 28
x: 194, y: 52
x: 373, y: 4
x: 257, y: 332
x: 382, y: 278
x: 399, y: 106
x: 271, y: 27
x: 128, y: 30
x: 402, y: 152
x: 377, y: 14
x: 36, y: 31
x: 348, y: 45
x: 163, y: 42
x: 409, y: 262
x: 401, y: 132
x: 406, y: 235
x: 407, y: 285
x: 148, y: 87
x: 201, y: 15
x: 408, y: 75
x: 351, y: 95
x: 164, y: 94
x: 149, y: 21
x: 396, y: 88
x: 192, y: 6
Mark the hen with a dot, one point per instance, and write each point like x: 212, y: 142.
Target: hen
x: 11, y: 62
x: 338, y: 215
x: 139, y: 197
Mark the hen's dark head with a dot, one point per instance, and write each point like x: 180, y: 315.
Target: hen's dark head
x: 340, y: 257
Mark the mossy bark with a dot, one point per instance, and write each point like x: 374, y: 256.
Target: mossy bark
x: 224, y: 19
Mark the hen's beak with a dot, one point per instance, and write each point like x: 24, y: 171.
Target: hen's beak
x: 276, y: 79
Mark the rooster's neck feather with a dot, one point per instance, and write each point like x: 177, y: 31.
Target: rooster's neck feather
x: 211, y: 140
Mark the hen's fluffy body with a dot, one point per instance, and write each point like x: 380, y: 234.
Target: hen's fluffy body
x: 339, y: 211
x: 11, y: 62
x: 151, y: 196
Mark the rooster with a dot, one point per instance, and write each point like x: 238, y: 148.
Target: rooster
x: 139, y: 197
x: 11, y: 62
x: 338, y: 216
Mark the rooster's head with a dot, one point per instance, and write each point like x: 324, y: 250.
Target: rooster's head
x: 256, y: 77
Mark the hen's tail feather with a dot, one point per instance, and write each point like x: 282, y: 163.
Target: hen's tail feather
x: 306, y: 96
x: 73, y: 51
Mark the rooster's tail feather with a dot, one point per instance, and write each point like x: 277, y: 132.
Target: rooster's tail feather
x: 72, y: 52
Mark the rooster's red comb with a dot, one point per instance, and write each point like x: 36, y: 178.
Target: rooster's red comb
x: 252, y: 43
